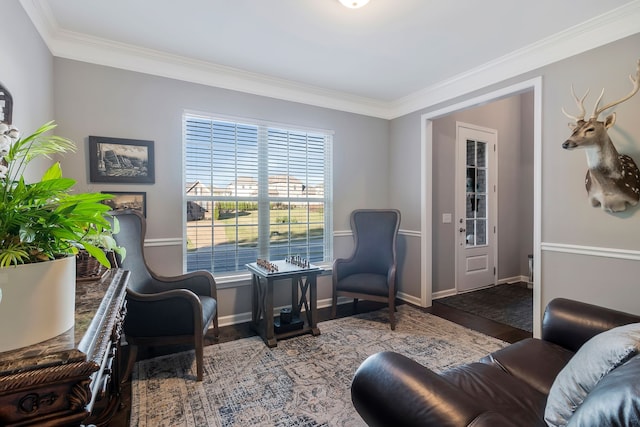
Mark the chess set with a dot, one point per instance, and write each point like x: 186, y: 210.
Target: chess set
x: 291, y: 264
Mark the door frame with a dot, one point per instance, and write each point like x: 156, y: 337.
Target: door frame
x: 426, y: 187
x: 492, y: 206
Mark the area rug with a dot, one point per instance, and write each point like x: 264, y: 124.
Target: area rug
x: 304, y: 381
x: 508, y: 304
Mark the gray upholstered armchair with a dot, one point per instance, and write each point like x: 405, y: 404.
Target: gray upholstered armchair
x: 163, y: 310
x: 370, y: 272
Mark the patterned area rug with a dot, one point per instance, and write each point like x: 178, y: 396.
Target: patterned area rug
x: 304, y: 381
x: 508, y: 304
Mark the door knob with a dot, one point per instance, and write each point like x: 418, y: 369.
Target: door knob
x: 462, y: 230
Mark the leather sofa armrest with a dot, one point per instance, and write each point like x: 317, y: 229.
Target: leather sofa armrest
x: 390, y: 389
x: 570, y: 323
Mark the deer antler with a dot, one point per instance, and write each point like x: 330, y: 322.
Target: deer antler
x: 579, y: 103
x: 636, y: 86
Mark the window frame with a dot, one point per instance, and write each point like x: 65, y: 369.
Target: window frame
x: 263, y: 126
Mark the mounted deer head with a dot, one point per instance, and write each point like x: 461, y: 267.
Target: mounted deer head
x: 613, y: 180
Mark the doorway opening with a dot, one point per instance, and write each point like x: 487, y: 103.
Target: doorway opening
x: 427, y: 202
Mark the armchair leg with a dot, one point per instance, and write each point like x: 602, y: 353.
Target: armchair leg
x: 216, y: 329
x: 199, y: 359
x: 133, y: 355
x: 334, y: 305
x: 392, y: 315
x: 355, y: 305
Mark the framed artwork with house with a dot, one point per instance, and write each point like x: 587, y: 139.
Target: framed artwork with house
x: 117, y: 160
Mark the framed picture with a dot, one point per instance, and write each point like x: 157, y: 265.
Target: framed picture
x: 121, y: 200
x: 119, y: 160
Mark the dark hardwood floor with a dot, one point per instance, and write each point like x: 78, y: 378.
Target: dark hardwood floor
x: 239, y: 331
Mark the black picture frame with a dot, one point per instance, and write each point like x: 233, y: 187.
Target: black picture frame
x: 117, y: 160
x: 121, y: 200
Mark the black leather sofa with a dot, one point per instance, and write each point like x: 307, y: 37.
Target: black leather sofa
x: 509, y: 387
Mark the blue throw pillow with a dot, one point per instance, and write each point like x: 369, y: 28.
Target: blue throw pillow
x: 614, y: 401
x: 595, y: 359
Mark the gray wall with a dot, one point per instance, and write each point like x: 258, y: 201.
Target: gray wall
x: 27, y: 72
x: 588, y: 254
x: 96, y: 100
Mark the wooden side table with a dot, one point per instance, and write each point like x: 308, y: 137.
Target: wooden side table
x: 71, y: 379
x: 302, y: 280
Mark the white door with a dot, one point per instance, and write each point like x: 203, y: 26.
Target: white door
x: 476, y: 207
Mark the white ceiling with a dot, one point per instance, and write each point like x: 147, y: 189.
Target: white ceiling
x: 370, y: 60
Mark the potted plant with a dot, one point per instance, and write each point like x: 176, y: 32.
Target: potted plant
x: 43, y: 224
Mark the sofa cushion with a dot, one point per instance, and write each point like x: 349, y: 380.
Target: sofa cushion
x: 595, y: 359
x: 498, y: 392
x: 614, y: 401
x: 518, y: 358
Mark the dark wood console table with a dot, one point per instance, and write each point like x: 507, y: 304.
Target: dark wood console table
x: 303, y: 280
x: 72, y: 379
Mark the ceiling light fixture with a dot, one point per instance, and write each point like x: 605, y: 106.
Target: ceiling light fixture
x: 354, y: 4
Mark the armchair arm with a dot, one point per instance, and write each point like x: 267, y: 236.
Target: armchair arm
x: 199, y: 282
x: 570, y: 323
x: 390, y: 390
x: 391, y: 279
x: 173, y: 312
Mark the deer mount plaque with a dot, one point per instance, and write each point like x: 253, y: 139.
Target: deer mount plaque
x: 613, y: 179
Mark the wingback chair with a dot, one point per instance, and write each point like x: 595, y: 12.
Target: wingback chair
x: 370, y: 272
x: 162, y: 310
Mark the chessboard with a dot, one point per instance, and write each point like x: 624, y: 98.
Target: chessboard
x: 282, y: 267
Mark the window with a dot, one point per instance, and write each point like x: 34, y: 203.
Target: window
x: 255, y: 190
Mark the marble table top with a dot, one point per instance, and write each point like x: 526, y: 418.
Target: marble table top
x: 71, y: 346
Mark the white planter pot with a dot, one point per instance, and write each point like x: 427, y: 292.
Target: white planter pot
x: 37, y: 302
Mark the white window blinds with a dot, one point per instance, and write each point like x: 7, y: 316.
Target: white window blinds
x: 255, y: 190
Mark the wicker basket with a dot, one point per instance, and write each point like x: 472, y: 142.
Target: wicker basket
x: 87, y: 267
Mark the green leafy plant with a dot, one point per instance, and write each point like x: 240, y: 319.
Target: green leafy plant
x: 45, y: 220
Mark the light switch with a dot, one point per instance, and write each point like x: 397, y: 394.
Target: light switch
x: 446, y: 218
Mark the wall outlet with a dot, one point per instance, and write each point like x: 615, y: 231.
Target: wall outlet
x: 446, y: 218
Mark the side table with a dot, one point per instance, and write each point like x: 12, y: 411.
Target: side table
x: 72, y: 379
x: 262, y: 283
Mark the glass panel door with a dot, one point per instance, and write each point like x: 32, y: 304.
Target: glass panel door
x: 476, y: 194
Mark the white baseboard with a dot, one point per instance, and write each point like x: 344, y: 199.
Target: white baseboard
x: 246, y: 317
x: 514, y: 279
x: 234, y: 319
x: 443, y: 294
x: 507, y: 280
x: 410, y: 299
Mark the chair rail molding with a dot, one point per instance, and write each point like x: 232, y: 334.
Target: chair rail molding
x: 628, y: 254
x: 168, y: 241
x: 349, y: 233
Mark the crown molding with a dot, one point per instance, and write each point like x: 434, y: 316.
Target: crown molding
x: 611, y: 26
x: 606, y: 28
x: 95, y: 50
